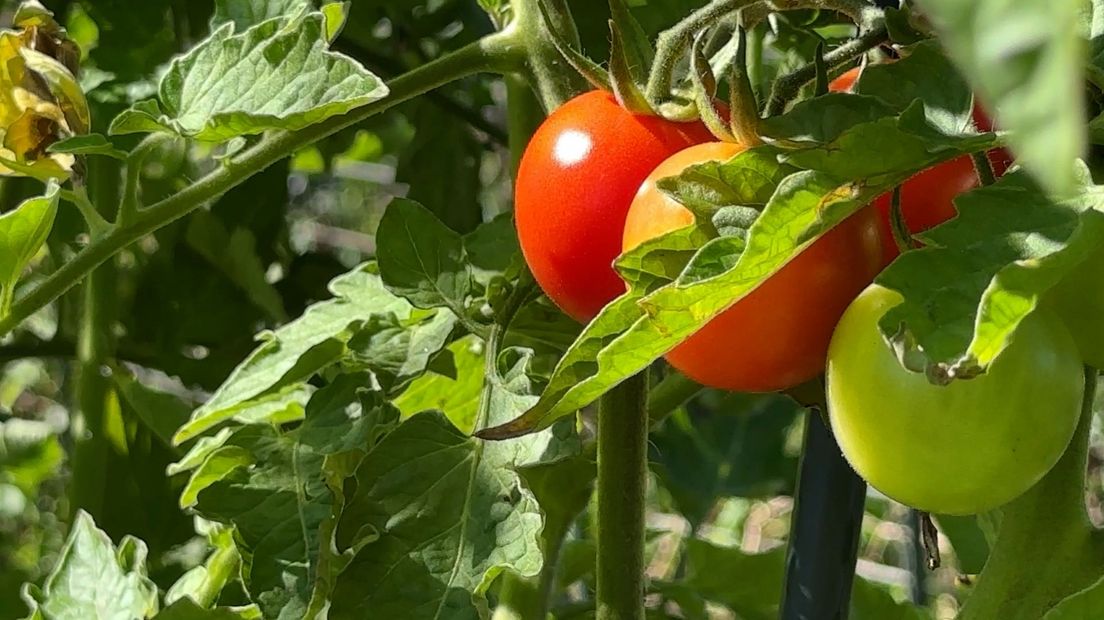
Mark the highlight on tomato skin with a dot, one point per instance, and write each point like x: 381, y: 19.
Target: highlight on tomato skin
x: 962, y: 448
x: 577, y: 178
x: 927, y: 199
x: 777, y: 336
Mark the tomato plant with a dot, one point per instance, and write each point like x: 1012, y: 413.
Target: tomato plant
x: 927, y: 199
x: 959, y: 449
x: 776, y: 337
x: 577, y: 178
x: 446, y: 310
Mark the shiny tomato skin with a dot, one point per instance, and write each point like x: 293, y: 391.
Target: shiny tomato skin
x: 576, y: 180
x: 777, y: 336
x: 927, y: 199
x: 958, y: 449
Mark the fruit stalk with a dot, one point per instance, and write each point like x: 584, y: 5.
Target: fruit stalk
x: 622, y: 481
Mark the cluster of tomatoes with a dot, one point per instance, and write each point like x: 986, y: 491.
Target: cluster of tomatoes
x: 586, y: 191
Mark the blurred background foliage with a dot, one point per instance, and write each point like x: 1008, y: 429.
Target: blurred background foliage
x: 189, y: 299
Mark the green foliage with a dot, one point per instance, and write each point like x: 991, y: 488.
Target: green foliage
x: 1024, y: 59
x: 986, y: 269
x: 22, y: 234
x: 94, y: 579
x: 255, y: 90
x: 327, y: 467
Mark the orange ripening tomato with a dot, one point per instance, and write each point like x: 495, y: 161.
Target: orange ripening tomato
x: 777, y: 336
x: 927, y: 199
x: 577, y: 178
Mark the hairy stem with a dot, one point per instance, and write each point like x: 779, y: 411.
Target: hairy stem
x: 622, y: 479
x: 500, y: 52
x: 95, y: 348
x: 787, y: 86
x: 674, y: 42
x: 984, y: 168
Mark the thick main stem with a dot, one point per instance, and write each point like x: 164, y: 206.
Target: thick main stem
x: 95, y: 347
x: 499, y: 52
x: 622, y: 481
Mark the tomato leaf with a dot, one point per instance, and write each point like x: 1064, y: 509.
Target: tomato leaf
x: 436, y: 516
x: 272, y: 487
x: 421, y: 259
x: 983, y: 271
x: 247, y: 13
x: 398, y: 351
x: 276, y: 75
x: 299, y: 349
x: 23, y: 232
x: 1025, y: 60
x: 94, y: 579
x: 89, y: 144
x: 456, y: 396
x: 923, y: 74
x: 747, y: 179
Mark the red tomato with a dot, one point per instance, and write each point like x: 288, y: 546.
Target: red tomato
x: 575, y: 183
x: 777, y: 336
x: 927, y: 199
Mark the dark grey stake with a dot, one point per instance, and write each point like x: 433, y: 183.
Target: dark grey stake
x: 824, y: 532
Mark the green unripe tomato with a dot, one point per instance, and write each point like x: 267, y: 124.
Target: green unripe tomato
x: 1079, y: 301
x: 958, y: 449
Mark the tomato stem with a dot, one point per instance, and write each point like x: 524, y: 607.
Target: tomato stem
x: 672, y: 44
x: 622, y: 481
x: 669, y: 394
x: 897, y: 225
x: 95, y: 412
x: 786, y: 87
x: 984, y: 168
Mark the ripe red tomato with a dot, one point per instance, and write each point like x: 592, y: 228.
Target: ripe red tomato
x: 575, y: 183
x: 777, y: 336
x: 927, y: 199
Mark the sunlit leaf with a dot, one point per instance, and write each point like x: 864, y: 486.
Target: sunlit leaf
x: 23, y: 232
x: 276, y: 75
x: 90, y: 144
x: 277, y: 497
x: 435, y: 518
x: 93, y: 579
x: 247, y: 13
x: 299, y: 349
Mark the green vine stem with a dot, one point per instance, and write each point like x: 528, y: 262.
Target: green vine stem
x: 786, y: 87
x: 95, y: 349
x: 674, y: 42
x: 1046, y: 549
x: 501, y: 52
x: 669, y: 394
x: 622, y: 481
x: 520, y: 597
x: 984, y: 168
